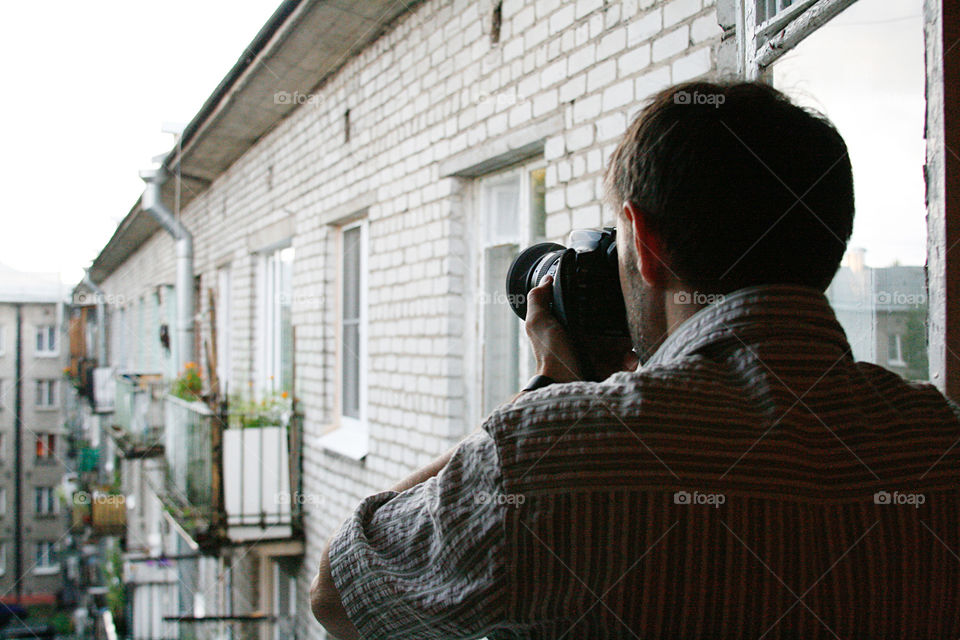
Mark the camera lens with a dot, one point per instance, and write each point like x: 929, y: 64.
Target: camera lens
x: 528, y: 270
x: 587, y: 298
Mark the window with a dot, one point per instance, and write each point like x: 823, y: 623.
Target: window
x: 224, y: 312
x: 284, y: 597
x: 3, y: 339
x: 352, y: 324
x: 46, y: 394
x: 46, y: 340
x: 880, y: 292
x: 45, y: 501
x: 46, y: 557
x: 773, y: 27
x: 511, y: 217
x: 895, y: 350
x: 351, y: 436
x: 3, y: 558
x: 3, y: 501
x: 46, y: 446
x: 3, y: 389
x: 275, y: 334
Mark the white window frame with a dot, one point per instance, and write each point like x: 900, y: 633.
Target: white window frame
x: 524, y: 236
x: 49, y: 396
x: 224, y: 323
x: 269, y: 365
x: 45, y: 552
x: 350, y: 436
x: 895, y: 359
x: 49, y: 504
x: 44, y: 332
x: 761, y: 45
x: 46, y: 447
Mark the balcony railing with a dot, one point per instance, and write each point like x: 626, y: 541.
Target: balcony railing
x: 191, y: 434
x: 232, y: 484
x: 138, y: 415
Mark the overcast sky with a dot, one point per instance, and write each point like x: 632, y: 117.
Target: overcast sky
x: 88, y: 86
x: 90, y: 83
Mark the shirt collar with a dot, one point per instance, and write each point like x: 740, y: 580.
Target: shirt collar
x: 758, y: 313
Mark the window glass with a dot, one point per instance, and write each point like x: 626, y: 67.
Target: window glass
x: 46, y: 339
x: 224, y: 313
x: 351, y: 321
x: 276, y: 321
x: 512, y: 216
x: 876, y: 100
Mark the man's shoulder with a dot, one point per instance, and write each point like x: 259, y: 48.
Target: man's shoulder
x: 562, y: 415
x: 627, y: 393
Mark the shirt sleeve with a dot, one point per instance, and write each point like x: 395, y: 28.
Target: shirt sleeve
x: 428, y: 562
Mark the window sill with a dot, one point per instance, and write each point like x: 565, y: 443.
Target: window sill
x: 45, y: 571
x: 346, y: 442
x: 46, y: 354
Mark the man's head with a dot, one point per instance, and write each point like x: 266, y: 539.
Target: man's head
x: 724, y: 186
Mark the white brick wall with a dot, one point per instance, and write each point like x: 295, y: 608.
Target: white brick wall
x: 432, y: 86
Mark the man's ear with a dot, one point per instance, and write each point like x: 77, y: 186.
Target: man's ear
x: 649, y: 248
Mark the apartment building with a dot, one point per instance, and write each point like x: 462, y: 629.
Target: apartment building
x: 325, y: 249
x: 33, y: 451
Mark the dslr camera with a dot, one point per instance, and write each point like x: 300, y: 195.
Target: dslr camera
x: 587, y: 299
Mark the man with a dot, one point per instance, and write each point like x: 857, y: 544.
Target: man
x: 749, y: 480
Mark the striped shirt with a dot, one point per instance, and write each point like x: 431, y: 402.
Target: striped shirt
x: 751, y: 480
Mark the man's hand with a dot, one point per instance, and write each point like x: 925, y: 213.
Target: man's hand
x: 559, y: 357
x: 552, y: 347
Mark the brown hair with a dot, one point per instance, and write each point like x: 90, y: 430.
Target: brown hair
x: 742, y: 186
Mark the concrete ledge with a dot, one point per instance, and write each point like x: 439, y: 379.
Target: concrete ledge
x: 351, y: 210
x: 512, y: 147
x: 272, y: 236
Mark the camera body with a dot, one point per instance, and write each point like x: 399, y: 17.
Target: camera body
x: 587, y: 299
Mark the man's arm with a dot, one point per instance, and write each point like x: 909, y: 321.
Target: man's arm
x: 555, y: 358
x: 325, y: 600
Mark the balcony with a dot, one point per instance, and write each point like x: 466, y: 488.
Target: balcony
x: 138, y: 414
x: 232, y: 478
x: 191, y: 445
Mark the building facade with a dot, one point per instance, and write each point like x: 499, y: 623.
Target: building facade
x: 33, y: 448
x: 353, y: 209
